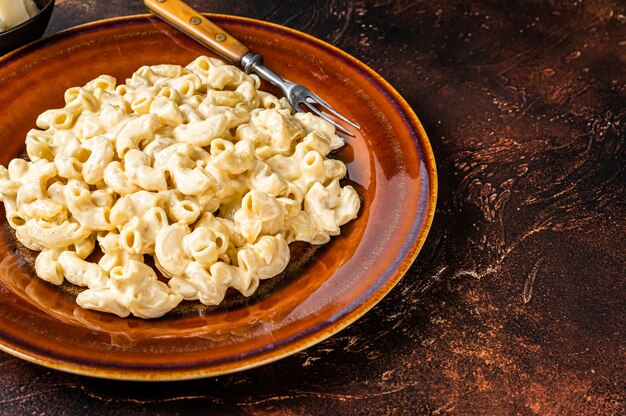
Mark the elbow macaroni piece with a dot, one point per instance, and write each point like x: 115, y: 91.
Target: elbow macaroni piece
x: 194, y: 166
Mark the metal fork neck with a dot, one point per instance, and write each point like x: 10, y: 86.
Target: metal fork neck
x: 252, y: 62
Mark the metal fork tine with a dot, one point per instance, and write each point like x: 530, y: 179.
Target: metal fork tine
x: 295, y: 93
x: 323, y: 115
x: 327, y: 106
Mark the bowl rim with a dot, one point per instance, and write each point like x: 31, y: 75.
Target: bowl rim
x: 48, y: 5
x: 422, y: 142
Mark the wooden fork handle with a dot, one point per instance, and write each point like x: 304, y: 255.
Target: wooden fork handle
x: 192, y: 23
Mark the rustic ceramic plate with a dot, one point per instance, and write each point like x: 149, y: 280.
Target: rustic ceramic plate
x: 324, y: 289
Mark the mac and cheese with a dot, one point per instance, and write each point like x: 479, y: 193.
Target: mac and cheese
x: 191, y: 165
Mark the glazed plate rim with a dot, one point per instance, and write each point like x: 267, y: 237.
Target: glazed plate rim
x: 289, y: 347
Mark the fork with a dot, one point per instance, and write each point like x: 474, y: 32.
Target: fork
x: 207, y: 33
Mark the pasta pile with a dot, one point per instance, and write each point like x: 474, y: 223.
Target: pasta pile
x: 192, y: 165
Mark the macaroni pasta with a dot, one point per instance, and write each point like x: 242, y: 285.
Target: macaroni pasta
x: 191, y: 165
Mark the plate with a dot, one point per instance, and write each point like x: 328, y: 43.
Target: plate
x: 324, y: 289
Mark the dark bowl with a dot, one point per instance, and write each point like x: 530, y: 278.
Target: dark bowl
x: 29, y: 30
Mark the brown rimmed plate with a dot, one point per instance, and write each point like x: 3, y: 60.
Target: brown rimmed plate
x: 324, y: 289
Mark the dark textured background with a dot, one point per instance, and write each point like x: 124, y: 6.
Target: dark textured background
x: 516, y: 304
